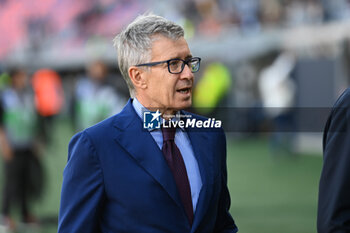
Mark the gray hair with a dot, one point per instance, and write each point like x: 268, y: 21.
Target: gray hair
x: 134, y: 43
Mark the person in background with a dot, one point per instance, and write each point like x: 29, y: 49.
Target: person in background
x: 278, y: 92
x: 49, y: 98
x: 18, y: 127
x: 216, y: 78
x: 4, y: 80
x: 94, y: 98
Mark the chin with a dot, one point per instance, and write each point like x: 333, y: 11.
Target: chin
x: 184, y: 104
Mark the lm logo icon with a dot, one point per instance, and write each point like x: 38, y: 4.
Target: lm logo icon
x: 151, y: 120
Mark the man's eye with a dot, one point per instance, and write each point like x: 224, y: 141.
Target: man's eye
x: 174, y: 63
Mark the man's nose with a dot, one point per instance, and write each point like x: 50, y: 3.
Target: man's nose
x: 187, y: 73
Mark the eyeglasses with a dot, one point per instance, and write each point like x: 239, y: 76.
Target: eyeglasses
x: 177, y: 65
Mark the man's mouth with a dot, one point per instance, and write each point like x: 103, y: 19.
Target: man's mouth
x: 184, y: 90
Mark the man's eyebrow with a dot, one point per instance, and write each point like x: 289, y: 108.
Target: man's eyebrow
x: 178, y: 57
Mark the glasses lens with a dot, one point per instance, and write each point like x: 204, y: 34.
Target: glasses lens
x: 194, y: 64
x: 175, y: 66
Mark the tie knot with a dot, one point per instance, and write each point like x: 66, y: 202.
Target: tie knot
x: 168, y: 133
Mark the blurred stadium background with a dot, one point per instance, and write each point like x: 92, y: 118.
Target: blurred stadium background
x: 271, y: 69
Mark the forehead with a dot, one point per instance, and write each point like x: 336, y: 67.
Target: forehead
x: 164, y: 48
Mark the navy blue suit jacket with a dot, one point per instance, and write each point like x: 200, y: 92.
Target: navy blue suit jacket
x: 117, y: 180
x: 334, y: 190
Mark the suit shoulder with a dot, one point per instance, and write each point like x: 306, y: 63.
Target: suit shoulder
x: 102, y: 128
x: 340, y: 108
x: 338, y: 119
x: 344, y: 99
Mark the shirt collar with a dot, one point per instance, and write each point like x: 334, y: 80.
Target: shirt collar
x: 140, y: 109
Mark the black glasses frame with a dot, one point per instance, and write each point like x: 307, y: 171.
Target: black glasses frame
x: 184, y: 62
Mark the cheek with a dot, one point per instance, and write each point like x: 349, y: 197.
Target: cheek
x: 169, y: 90
x: 165, y: 88
x: 168, y: 95
x: 173, y: 94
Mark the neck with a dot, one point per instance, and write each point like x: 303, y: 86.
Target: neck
x: 166, y: 113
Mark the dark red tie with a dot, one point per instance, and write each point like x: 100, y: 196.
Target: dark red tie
x: 176, y: 163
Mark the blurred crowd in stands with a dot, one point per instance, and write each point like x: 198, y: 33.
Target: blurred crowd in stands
x: 37, y: 24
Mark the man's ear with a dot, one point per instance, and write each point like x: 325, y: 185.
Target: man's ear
x: 138, y: 77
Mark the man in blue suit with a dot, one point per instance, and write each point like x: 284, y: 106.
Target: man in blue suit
x: 124, y: 177
x: 334, y: 190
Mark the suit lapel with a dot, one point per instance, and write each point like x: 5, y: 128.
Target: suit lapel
x: 142, y: 147
x: 139, y: 143
x: 200, y: 143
